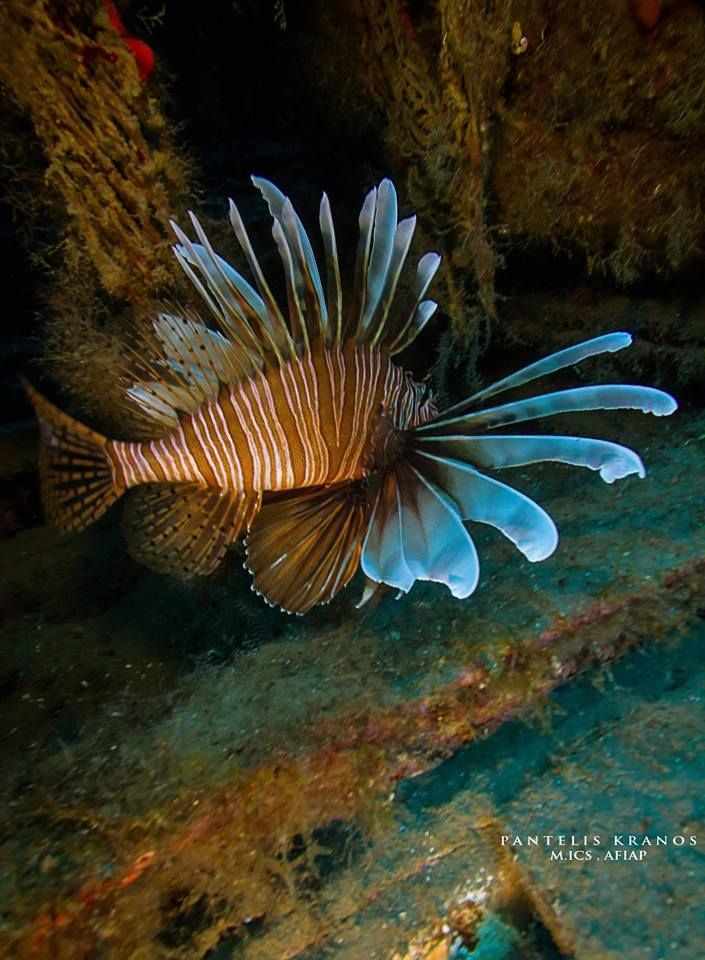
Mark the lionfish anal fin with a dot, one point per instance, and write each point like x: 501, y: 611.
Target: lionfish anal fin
x: 184, y: 529
x: 304, y: 546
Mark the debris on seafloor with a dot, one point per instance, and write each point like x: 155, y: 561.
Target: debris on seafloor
x: 371, y: 753
x: 479, y: 922
x: 459, y: 931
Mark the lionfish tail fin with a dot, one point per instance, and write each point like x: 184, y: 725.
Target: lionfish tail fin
x: 77, y: 478
x: 304, y: 545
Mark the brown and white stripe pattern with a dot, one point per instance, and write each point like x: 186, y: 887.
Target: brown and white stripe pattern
x: 305, y: 423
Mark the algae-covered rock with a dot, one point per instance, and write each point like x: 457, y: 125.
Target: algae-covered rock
x: 550, y: 126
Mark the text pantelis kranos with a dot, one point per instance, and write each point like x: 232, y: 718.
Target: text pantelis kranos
x: 596, y: 846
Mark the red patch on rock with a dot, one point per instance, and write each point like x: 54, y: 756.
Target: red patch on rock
x: 141, y: 51
x: 647, y: 13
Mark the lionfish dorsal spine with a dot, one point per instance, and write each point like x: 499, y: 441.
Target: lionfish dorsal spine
x: 422, y: 310
x: 333, y: 284
x: 236, y: 298
x: 376, y: 268
x: 303, y: 278
x: 233, y: 303
x: 275, y: 329
x: 362, y: 256
x: 403, y: 236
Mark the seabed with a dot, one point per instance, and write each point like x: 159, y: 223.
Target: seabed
x: 189, y: 774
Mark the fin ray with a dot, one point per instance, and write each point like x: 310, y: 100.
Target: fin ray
x: 377, y: 267
x: 486, y: 500
x: 602, y: 397
x: 569, y: 357
x: 253, y: 318
x: 402, y: 241
x: 277, y: 328
x: 416, y: 533
x: 333, y: 285
x: 499, y: 452
x: 304, y: 545
x: 77, y: 479
x: 184, y: 529
x: 305, y: 274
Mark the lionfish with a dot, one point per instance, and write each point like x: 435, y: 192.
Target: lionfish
x: 297, y: 430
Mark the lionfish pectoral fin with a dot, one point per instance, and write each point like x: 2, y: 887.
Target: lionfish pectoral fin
x: 76, y: 476
x: 483, y: 499
x: 304, y: 546
x: 416, y: 532
x: 450, y: 452
x: 184, y: 529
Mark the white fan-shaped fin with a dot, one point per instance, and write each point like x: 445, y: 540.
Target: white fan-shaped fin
x: 185, y: 259
x: 484, y: 500
x: 158, y: 398
x: 308, y: 286
x: 227, y: 299
x: 437, y: 545
x: 416, y: 533
x: 279, y: 332
x: 192, y: 354
x: 602, y: 397
x: 499, y: 452
x: 244, y: 240
x: 231, y: 287
x: 208, y: 348
x: 608, y: 343
x: 149, y: 398
x: 402, y: 241
x: 383, y: 557
x: 295, y: 309
x: 425, y: 272
x: 366, y: 223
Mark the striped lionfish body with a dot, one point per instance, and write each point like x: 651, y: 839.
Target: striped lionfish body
x: 298, y: 430
x: 299, y: 425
